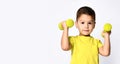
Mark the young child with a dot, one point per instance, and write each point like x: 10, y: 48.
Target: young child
x: 85, y: 49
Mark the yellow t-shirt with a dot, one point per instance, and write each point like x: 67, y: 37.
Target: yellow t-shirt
x: 84, y: 50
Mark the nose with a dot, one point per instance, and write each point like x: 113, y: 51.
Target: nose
x: 86, y: 25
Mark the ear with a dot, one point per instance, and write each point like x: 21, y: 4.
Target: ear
x: 94, y: 25
x: 76, y: 24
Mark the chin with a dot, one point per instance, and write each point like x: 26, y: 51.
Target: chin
x: 85, y: 34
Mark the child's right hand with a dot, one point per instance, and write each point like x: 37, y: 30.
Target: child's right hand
x: 64, y: 25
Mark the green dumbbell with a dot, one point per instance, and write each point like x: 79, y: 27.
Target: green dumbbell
x: 69, y: 23
x: 107, y: 27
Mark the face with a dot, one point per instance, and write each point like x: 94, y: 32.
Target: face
x: 85, y: 24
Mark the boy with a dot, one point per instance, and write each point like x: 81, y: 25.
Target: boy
x: 85, y: 49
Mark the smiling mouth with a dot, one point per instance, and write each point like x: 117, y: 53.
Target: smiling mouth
x: 86, y: 30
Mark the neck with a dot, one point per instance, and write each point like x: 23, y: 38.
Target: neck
x: 84, y: 35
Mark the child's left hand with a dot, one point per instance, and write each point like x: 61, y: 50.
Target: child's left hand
x: 106, y: 34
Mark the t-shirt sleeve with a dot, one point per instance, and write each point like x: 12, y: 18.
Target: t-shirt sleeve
x: 99, y: 44
x: 71, y: 40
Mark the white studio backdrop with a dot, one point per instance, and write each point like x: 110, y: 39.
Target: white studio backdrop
x: 29, y: 31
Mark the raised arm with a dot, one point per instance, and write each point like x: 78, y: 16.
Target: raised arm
x: 105, y: 49
x: 64, y: 40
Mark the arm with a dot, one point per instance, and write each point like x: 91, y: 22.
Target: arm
x: 64, y: 40
x: 105, y: 49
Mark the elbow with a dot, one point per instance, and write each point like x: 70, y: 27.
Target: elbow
x: 106, y: 54
x: 65, y: 48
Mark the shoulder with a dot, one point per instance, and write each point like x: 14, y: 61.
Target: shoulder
x: 73, y: 37
x: 95, y: 39
x: 98, y: 42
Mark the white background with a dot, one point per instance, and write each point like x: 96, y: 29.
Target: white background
x: 29, y: 31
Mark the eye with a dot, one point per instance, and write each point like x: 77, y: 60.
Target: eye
x: 89, y: 22
x: 82, y: 22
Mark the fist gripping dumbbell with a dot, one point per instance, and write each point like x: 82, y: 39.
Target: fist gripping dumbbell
x: 69, y: 23
x: 107, y: 28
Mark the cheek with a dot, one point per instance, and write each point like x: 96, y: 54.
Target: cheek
x: 91, y: 27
